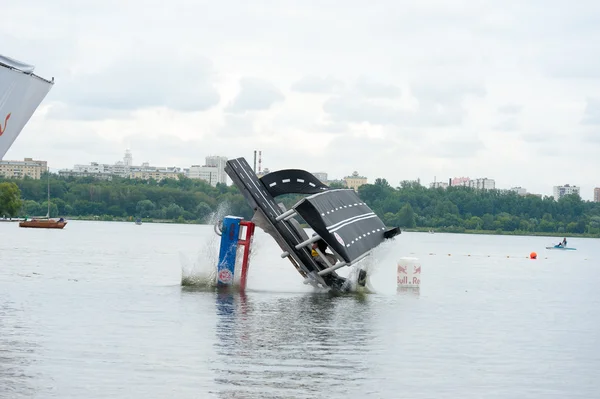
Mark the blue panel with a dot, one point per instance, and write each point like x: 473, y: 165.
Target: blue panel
x: 227, y: 254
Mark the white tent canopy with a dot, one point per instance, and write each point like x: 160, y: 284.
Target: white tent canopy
x: 21, y: 93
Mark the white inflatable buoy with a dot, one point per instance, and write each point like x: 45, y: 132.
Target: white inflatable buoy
x: 408, y: 273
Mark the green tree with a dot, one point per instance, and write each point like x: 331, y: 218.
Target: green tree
x: 406, y: 217
x: 144, y: 208
x: 10, y: 199
x: 202, y: 211
x: 452, y: 209
x: 174, y: 211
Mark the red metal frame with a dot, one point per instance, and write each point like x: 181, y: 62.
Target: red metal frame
x: 245, y: 241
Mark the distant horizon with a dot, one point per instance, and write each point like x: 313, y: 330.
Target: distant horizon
x: 369, y: 180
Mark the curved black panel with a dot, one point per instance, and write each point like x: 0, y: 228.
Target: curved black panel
x: 292, y: 181
x: 344, y: 222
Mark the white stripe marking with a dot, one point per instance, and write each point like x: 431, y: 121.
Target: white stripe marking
x: 349, y: 219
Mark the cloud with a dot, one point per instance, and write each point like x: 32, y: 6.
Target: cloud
x: 457, y: 148
x: 62, y: 111
x: 573, y: 60
x: 591, y: 115
x: 59, y: 144
x: 539, y: 137
x: 142, y: 78
x: 424, y: 89
x: 317, y: 84
x: 592, y: 136
x: 237, y: 126
x: 446, y: 92
x: 507, y: 125
x: 510, y: 109
x: 255, y: 95
x: 370, y: 88
x: 356, y: 110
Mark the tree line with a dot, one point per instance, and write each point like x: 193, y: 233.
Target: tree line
x: 410, y: 206
x: 180, y: 200
x: 459, y: 209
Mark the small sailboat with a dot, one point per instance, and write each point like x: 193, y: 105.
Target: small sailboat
x: 44, y: 222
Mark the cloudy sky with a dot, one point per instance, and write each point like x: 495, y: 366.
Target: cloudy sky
x: 504, y: 89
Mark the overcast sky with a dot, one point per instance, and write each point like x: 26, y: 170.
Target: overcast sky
x: 504, y: 89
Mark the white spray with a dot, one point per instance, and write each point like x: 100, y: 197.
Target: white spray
x: 203, y: 272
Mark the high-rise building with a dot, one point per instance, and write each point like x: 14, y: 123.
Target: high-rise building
x: 561, y: 191
x: 219, y: 163
x: 597, y: 194
x: 213, y: 171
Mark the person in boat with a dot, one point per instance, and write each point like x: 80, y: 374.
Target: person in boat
x: 322, y: 246
x: 564, y: 242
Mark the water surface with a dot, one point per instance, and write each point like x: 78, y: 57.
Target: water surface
x: 97, y: 310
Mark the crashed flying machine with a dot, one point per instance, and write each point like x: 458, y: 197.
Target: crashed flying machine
x: 348, y: 227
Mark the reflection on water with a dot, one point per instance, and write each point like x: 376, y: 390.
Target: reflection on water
x: 409, y: 291
x: 294, y: 347
x: 16, y: 354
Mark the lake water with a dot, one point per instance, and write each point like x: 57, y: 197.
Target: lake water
x: 97, y: 310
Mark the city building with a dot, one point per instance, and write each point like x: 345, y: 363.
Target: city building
x: 355, y: 181
x: 597, y: 194
x: 124, y: 168
x: 519, y: 190
x: 209, y: 174
x: 74, y: 173
x: 218, y: 162
x: 561, y: 191
x: 147, y: 172
x: 460, y: 181
x: 483, y: 183
x: 19, y: 169
x: 438, y: 184
x: 213, y: 171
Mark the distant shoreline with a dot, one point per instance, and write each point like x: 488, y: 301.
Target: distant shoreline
x: 411, y: 230
x: 500, y: 232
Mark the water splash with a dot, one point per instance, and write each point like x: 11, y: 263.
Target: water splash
x: 203, y: 271
x: 378, y: 260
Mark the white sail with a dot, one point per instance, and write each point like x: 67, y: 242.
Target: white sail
x: 21, y: 93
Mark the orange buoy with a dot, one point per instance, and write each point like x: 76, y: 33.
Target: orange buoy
x: 533, y: 255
